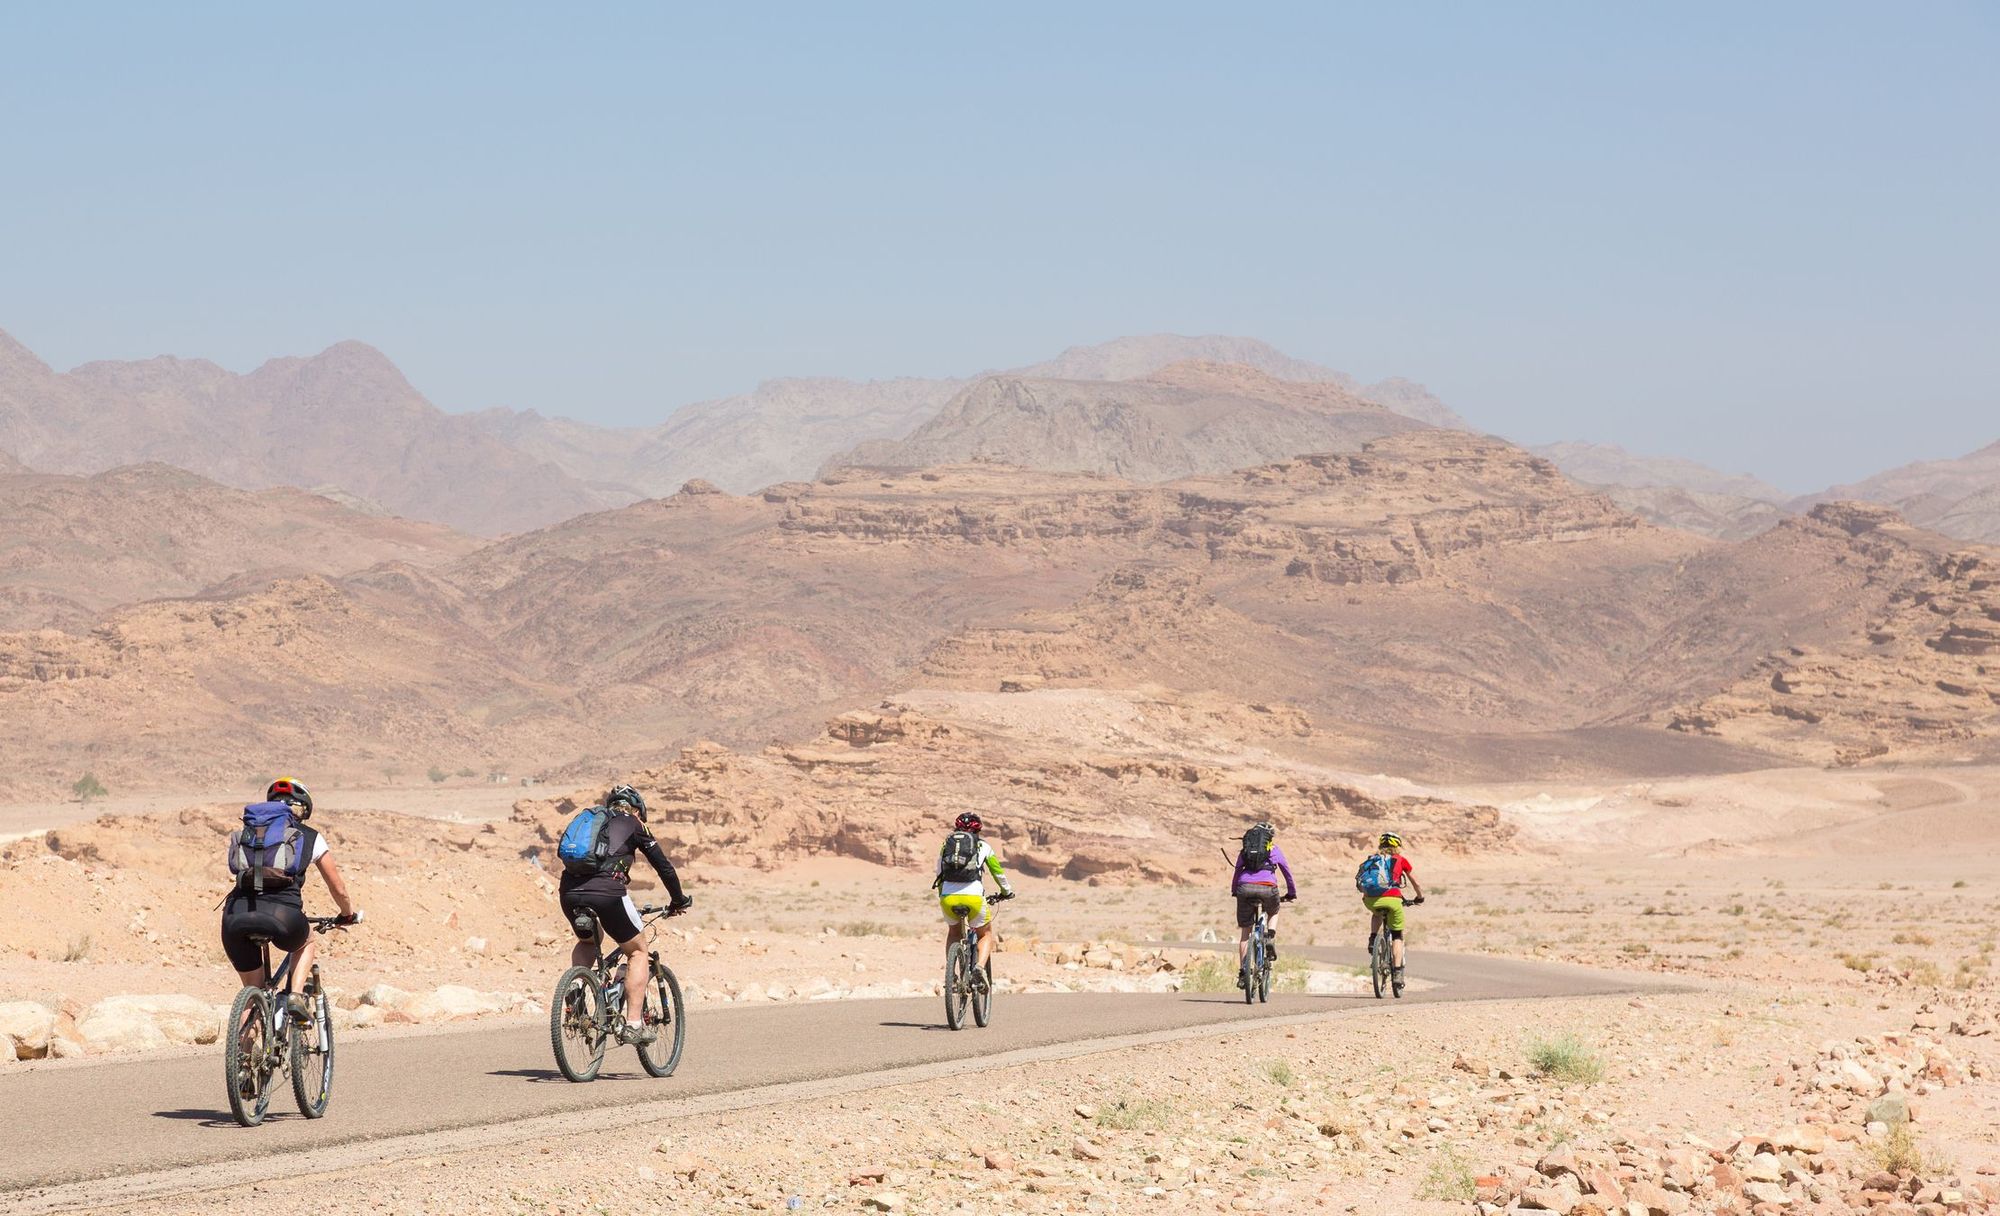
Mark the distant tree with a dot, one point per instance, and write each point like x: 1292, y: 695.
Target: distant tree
x: 468, y: 772
x: 87, y: 787
x: 437, y: 774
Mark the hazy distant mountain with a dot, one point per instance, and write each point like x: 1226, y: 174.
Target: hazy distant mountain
x: 784, y: 430
x: 1959, y: 497
x: 1673, y: 491
x: 1193, y: 417
x: 344, y: 417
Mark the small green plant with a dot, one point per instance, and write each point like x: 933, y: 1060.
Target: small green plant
x: 78, y: 950
x: 1960, y: 883
x: 467, y: 772
x: 1447, y: 1178
x: 1133, y: 1114
x: 1635, y: 948
x: 1565, y: 1057
x: 1290, y: 974
x: 1858, y: 962
x: 1911, y: 939
x: 864, y: 928
x: 1208, y: 974
x: 1901, y: 1150
x: 1279, y: 1073
x: 436, y: 773
x: 87, y: 787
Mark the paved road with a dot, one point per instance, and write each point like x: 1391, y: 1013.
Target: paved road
x: 71, y: 1124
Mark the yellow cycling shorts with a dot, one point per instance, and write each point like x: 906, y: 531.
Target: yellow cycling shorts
x: 973, y: 906
x: 1390, y: 906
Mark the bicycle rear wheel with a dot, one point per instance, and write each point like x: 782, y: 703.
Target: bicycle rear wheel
x: 982, y: 999
x: 1378, y: 960
x: 667, y: 1015
x: 1264, y: 971
x: 312, y: 1058
x: 577, y: 1029
x: 957, y: 983
x: 246, y: 1057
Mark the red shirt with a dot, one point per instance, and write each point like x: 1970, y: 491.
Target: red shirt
x: 1399, y: 865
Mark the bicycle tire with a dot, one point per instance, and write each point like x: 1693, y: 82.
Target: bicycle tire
x: 312, y: 1050
x: 1264, y: 973
x: 1378, y: 963
x: 245, y: 1055
x: 668, y: 1016
x: 982, y: 1000
x: 577, y: 1025
x: 955, y: 985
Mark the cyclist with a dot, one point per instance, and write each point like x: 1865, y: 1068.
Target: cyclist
x: 1381, y: 881
x: 597, y: 900
x: 1254, y: 883
x: 269, y: 858
x: 963, y: 863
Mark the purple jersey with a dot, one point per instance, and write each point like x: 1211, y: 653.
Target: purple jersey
x: 1269, y: 874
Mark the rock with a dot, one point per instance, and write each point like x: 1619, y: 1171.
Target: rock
x: 385, y: 996
x: 1084, y: 1150
x: 453, y: 1001
x: 1876, y: 1129
x: 687, y: 1165
x: 887, y: 1201
x: 1764, y: 1167
x: 1086, y: 1111
x: 475, y: 945
x: 999, y: 1159
x: 1726, y: 1177
x: 1766, y: 1192
x: 1802, y: 1138
x: 1890, y: 1109
x: 145, y: 1023
x: 25, y: 1030
x: 1477, y: 1068
x: 1549, y: 1198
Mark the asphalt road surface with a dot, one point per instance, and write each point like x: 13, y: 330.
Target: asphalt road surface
x: 72, y: 1124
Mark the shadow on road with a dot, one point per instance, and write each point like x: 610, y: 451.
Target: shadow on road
x: 541, y: 1076
x: 915, y: 1025
x: 207, y: 1118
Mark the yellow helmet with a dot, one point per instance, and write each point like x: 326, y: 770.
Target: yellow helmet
x: 1389, y: 841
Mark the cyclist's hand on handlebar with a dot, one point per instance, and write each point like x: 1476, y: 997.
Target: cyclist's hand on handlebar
x: 680, y: 905
x: 349, y: 918
x: 1288, y: 897
x: 1419, y: 899
x: 1001, y: 897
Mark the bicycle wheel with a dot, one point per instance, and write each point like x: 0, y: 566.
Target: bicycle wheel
x: 1378, y: 961
x: 1264, y: 971
x: 577, y: 1029
x: 982, y: 999
x: 667, y: 1015
x: 1251, y: 964
x: 246, y: 1065
x: 312, y: 1058
x: 956, y: 964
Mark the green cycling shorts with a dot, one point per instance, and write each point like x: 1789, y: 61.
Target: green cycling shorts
x: 1390, y: 906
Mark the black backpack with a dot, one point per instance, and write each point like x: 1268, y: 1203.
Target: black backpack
x: 1257, y: 849
x: 959, y: 860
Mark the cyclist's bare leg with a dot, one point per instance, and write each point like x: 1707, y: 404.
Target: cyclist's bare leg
x: 1396, y: 953
x: 1242, y: 945
x: 982, y: 945
x: 954, y: 931
x: 302, y: 964
x: 638, y: 974
x: 584, y: 953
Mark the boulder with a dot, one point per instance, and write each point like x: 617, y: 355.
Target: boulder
x: 453, y: 1001
x: 25, y: 1030
x: 1890, y: 1109
x: 145, y: 1023
x: 386, y: 996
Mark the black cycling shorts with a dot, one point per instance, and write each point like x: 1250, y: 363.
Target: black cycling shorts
x: 617, y: 913
x: 1247, y: 905
x: 283, y: 922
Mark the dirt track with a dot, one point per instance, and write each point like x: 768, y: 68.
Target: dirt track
x: 157, y: 1127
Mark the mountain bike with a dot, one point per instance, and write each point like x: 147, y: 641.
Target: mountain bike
x: 588, y: 1011
x: 265, y: 1039
x: 965, y: 983
x: 1255, y: 972
x: 1382, y: 954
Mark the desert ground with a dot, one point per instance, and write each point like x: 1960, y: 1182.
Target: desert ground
x: 1782, y: 929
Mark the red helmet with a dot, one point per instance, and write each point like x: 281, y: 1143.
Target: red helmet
x: 284, y: 789
x: 967, y: 822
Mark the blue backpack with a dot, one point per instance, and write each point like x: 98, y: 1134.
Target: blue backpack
x: 272, y: 848
x: 1376, y: 875
x: 583, y: 843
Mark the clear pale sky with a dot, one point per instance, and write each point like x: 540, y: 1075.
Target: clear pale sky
x: 1765, y: 236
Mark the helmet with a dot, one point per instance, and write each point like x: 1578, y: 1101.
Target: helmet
x: 1264, y: 825
x: 967, y: 822
x: 1389, y: 841
x: 630, y: 797
x: 284, y: 789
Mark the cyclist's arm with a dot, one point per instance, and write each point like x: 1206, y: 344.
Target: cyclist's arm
x: 336, y: 886
x: 1411, y: 876
x: 1291, y: 888
x: 999, y: 871
x: 1236, y: 875
x: 664, y: 868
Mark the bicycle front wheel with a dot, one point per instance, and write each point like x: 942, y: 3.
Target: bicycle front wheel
x: 577, y: 1028
x: 982, y: 999
x: 1378, y: 962
x: 667, y: 1015
x: 312, y: 1059
x: 957, y: 982
x: 246, y: 1056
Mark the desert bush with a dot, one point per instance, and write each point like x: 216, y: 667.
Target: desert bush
x: 78, y: 950
x: 1566, y: 1057
x: 1858, y: 962
x: 1210, y: 973
x: 1279, y: 1073
x: 1134, y: 1114
x: 436, y: 773
x: 1901, y: 1150
x: 87, y: 787
x: 1447, y: 1178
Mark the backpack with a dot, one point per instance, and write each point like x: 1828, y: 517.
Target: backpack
x: 1376, y: 875
x: 584, y: 842
x: 959, y: 860
x: 272, y: 848
x: 1257, y: 849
